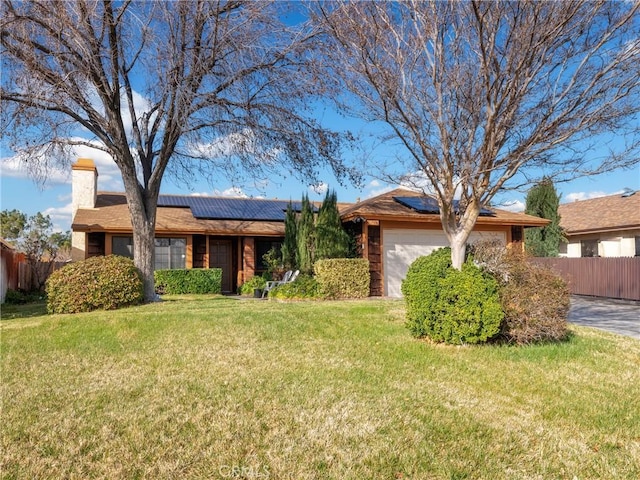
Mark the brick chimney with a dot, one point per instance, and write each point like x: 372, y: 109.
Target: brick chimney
x: 84, y: 184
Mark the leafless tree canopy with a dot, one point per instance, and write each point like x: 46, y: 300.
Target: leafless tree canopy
x: 482, y: 95
x: 159, y: 85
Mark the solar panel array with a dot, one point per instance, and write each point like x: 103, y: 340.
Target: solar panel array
x: 219, y: 208
x: 430, y: 205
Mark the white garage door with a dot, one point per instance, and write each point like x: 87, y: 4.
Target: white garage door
x: 401, y: 247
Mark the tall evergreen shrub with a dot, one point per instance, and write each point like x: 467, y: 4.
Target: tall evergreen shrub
x: 543, y: 201
x: 290, y: 245
x: 305, y: 237
x: 331, y: 239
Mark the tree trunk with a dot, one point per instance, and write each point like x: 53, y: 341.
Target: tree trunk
x: 458, y: 250
x: 143, y: 257
x: 142, y: 209
x: 457, y: 230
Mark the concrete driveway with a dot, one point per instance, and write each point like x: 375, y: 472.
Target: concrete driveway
x: 614, y: 316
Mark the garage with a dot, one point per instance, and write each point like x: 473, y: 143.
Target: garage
x: 402, y: 246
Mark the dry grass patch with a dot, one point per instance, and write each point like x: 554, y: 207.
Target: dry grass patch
x: 208, y: 387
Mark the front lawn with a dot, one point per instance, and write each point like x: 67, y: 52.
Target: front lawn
x: 211, y: 387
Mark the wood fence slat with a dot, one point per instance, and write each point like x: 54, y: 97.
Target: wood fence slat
x: 600, y: 277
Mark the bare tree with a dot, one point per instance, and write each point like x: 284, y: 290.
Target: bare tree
x: 483, y: 96
x: 180, y: 87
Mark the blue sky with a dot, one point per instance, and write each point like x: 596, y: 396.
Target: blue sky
x: 53, y: 198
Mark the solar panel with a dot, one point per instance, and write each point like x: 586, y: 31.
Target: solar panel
x: 430, y: 205
x: 219, y: 208
x: 419, y: 204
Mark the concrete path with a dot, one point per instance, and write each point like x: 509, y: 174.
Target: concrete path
x: 615, y: 316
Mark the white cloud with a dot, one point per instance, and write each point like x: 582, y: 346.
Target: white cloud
x: 373, y: 184
x: 141, y: 105
x: 60, y: 217
x: 512, y: 206
x: 374, y: 192
x: 59, y: 172
x: 319, y: 189
x: 577, y: 196
x: 235, y: 192
x: 238, y: 143
x: 417, y: 181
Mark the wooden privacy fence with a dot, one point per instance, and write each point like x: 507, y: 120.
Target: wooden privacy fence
x: 600, y: 277
x: 12, y: 261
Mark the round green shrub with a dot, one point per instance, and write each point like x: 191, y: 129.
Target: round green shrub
x: 304, y: 287
x: 468, y: 307
x: 447, y: 305
x: 420, y: 290
x: 98, y: 283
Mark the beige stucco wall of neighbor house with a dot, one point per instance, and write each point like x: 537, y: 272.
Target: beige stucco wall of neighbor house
x: 84, y: 191
x: 611, y: 244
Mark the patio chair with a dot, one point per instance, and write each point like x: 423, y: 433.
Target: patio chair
x: 288, y: 277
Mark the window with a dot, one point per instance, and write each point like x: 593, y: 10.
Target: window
x: 637, y: 246
x: 170, y: 252
x: 122, y: 246
x: 589, y: 248
x: 262, y: 247
x: 516, y: 233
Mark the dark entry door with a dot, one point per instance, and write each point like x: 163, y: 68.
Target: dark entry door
x: 220, y: 257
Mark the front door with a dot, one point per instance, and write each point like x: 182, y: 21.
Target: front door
x: 220, y: 257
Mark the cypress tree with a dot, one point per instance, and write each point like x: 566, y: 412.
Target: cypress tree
x: 543, y: 201
x: 290, y: 245
x: 331, y: 239
x: 305, y: 237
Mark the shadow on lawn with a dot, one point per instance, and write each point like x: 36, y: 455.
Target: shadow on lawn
x: 26, y: 310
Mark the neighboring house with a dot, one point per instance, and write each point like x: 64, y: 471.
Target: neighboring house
x: 234, y: 233
x: 602, y: 227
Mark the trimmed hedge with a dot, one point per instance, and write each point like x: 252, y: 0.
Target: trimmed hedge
x: 196, y: 280
x: 448, y: 305
x: 98, y: 283
x: 303, y: 287
x: 343, y: 277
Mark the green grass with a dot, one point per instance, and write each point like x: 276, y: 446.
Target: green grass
x: 210, y: 387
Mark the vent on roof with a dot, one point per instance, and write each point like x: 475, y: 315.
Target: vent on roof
x: 430, y: 205
x: 627, y: 192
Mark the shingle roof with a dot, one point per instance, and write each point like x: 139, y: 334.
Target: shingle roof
x: 386, y: 207
x: 256, y: 217
x: 112, y: 214
x: 613, y: 212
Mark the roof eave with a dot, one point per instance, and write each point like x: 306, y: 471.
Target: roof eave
x: 603, y: 230
x: 432, y: 218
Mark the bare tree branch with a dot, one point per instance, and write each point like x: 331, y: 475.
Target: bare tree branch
x: 151, y: 79
x: 484, y: 94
